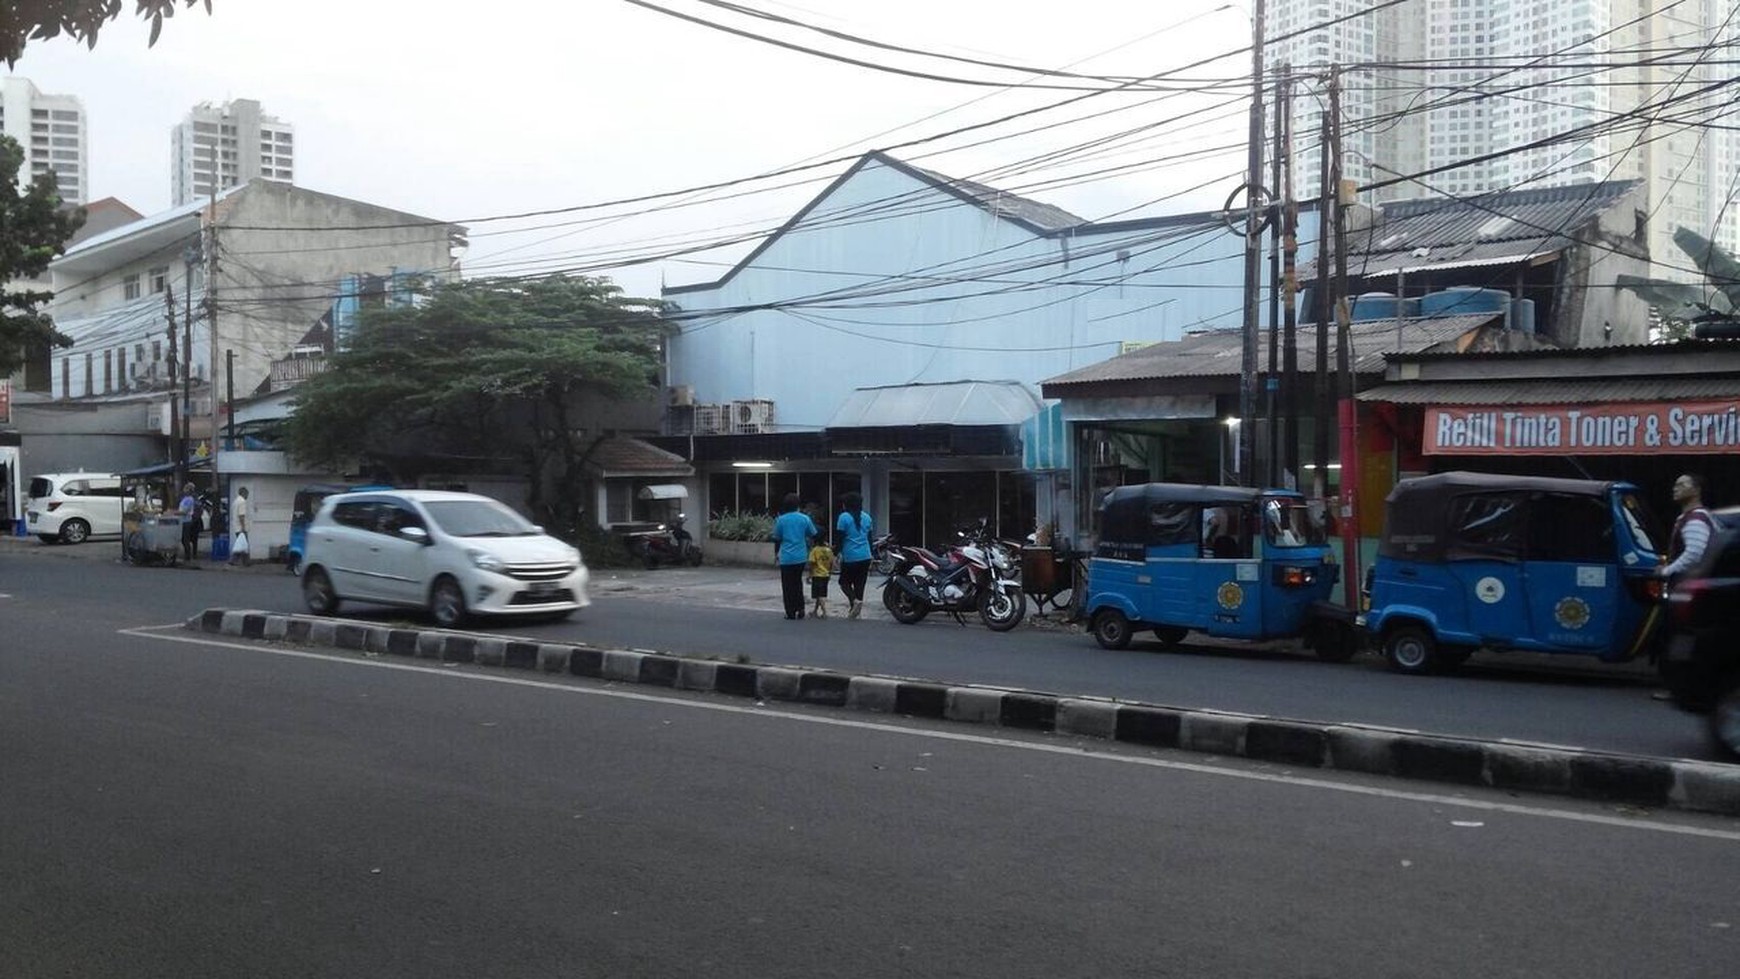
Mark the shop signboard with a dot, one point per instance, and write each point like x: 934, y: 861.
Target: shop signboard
x: 5, y: 402
x: 1633, y: 428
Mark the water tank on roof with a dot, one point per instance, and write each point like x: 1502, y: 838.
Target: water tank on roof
x: 1464, y: 301
x: 1522, y: 315
x: 1375, y: 306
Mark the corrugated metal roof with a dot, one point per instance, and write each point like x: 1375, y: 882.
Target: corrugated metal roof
x: 1045, y: 216
x: 1220, y: 353
x: 1555, y: 391
x: 1485, y: 229
x: 952, y: 403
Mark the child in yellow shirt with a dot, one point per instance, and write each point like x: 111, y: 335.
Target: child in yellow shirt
x: 821, y: 566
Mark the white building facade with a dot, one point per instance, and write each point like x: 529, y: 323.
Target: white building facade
x: 219, y: 146
x: 54, y: 133
x: 1461, y: 97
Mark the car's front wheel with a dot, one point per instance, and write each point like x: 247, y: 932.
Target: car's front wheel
x: 1725, y: 715
x: 447, y: 603
x: 318, y: 593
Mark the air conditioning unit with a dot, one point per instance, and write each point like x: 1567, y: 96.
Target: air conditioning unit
x: 751, y: 417
x: 680, y: 396
x: 157, y: 419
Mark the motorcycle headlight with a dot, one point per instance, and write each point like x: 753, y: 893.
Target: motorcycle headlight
x: 486, y: 560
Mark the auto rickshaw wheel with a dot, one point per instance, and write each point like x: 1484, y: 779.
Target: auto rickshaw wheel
x: 1170, y: 635
x: 1334, y: 641
x: 1411, y: 649
x: 1111, y: 629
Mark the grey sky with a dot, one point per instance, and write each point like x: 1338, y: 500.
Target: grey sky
x: 465, y: 110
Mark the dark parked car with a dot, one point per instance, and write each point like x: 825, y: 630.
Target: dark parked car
x: 1703, y: 652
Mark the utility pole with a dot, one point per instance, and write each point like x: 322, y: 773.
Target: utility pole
x: 189, y: 256
x: 1320, y: 311
x: 178, y: 443
x: 1289, y: 287
x: 211, y: 328
x: 1272, y: 380
x: 1253, y: 260
x: 1344, y: 365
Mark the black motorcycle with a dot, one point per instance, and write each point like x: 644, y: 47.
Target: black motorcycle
x: 669, y: 544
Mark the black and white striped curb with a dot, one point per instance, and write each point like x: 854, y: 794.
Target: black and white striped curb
x: 1639, y: 781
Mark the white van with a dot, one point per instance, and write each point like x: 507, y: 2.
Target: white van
x: 71, y: 508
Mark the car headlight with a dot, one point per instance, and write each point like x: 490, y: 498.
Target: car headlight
x: 574, y: 555
x: 486, y: 560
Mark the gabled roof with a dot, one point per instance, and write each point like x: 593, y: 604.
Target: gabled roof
x: 1220, y: 353
x: 1503, y: 228
x: 1040, y: 219
x: 621, y: 455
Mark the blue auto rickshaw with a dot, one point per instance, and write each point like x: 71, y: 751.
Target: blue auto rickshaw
x: 1226, y: 561
x: 1479, y: 560
x: 302, y: 509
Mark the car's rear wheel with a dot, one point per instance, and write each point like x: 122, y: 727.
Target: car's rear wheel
x: 75, y: 531
x: 1111, y: 629
x: 1411, y: 649
x: 447, y: 603
x: 318, y: 593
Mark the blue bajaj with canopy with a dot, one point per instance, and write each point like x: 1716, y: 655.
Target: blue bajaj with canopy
x: 1477, y: 560
x: 1225, y: 561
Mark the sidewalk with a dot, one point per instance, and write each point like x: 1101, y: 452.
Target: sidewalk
x: 110, y: 550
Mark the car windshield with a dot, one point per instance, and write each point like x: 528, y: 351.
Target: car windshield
x: 477, y: 518
x: 1641, y: 522
x: 1293, y: 523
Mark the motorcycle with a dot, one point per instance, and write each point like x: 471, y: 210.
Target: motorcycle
x: 884, y: 555
x: 976, y: 576
x: 668, y: 544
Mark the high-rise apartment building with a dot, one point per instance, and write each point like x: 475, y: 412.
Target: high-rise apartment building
x: 1459, y: 97
x: 52, y: 130
x: 220, y: 146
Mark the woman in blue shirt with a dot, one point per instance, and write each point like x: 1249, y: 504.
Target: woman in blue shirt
x: 793, y: 531
x: 854, y: 529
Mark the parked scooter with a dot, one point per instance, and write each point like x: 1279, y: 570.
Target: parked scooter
x: 668, y: 544
x: 884, y: 555
x: 976, y: 576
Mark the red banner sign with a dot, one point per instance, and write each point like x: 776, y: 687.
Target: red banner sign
x: 5, y: 402
x: 1673, y: 428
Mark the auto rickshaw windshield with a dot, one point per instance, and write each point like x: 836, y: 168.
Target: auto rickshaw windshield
x: 1293, y: 523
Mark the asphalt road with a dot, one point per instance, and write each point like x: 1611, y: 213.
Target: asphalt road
x: 182, y: 807
x: 1574, y: 703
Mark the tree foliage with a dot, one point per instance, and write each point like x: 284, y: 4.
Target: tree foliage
x: 33, y: 230
x: 39, y: 20
x: 484, y: 367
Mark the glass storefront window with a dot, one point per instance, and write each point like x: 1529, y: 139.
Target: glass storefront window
x: 752, y: 493
x: 722, y: 493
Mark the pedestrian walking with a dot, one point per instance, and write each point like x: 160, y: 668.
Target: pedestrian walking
x: 793, y: 531
x: 853, y: 532
x: 821, y: 567
x: 192, y: 521
x: 239, y: 524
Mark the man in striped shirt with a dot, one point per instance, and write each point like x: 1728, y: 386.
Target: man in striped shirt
x: 1692, y: 530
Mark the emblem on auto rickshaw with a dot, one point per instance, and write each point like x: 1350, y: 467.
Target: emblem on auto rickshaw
x: 1230, y: 595
x: 1489, y: 590
x: 1571, y: 612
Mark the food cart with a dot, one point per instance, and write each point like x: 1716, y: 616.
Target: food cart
x: 151, y: 525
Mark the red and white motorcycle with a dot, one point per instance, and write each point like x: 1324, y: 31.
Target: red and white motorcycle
x: 977, y: 575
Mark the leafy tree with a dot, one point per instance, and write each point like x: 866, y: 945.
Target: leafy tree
x: 1714, y: 305
x: 33, y: 230
x: 39, y: 20
x: 484, y: 367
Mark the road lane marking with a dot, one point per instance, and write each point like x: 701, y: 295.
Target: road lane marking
x: 1638, y: 823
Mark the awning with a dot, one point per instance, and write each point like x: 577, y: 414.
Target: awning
x: 664, y: 491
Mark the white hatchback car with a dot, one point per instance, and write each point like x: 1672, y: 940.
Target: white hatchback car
x: 454, y: 554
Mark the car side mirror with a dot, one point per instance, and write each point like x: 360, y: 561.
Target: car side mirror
x: 415, y: 534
